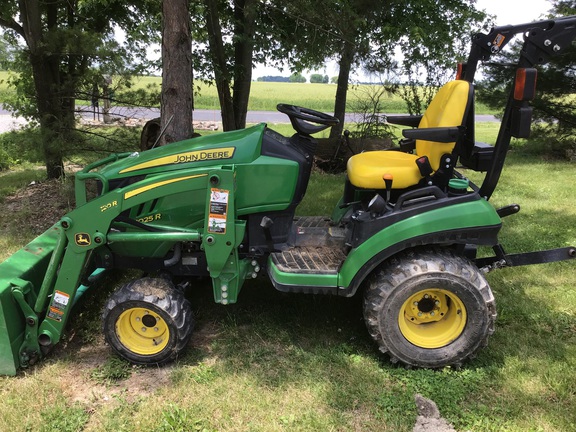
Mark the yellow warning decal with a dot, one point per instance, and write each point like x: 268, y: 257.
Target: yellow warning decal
x: 193, y: 156
x: 142, y: 189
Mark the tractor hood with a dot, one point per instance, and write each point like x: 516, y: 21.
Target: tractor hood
x: 236, y: 147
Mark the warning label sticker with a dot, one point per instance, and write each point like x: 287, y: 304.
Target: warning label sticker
x: 58, y: 305
x: 60, y: 298
x: 218, y: 210
x: 55, y: 314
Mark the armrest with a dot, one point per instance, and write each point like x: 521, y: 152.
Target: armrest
x: 404, y: 120
x: 440, y: 134
x: 407, y: 145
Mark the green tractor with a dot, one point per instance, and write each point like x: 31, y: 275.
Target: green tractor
x: 405, y: 232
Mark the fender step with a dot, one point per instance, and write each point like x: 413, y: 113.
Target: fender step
x: 309, y: 260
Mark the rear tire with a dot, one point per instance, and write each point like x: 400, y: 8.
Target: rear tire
x: 429, y: 308
x: 148, y: 321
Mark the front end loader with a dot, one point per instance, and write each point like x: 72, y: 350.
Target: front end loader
x: 405, y: 232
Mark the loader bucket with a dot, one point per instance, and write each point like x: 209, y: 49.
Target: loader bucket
x: 26, y: 267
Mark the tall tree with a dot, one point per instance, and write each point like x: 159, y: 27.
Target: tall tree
x: 429, y: 34
x: 63, y: 39
x: 38, y: 25
x: 177, y: 84
x: 241, y: 33
x: 369, y: 34
x: 239, y: 20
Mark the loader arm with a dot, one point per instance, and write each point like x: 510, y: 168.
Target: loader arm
x: 35, y: 304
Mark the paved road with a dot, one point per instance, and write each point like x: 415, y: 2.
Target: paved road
x: 214, y: 115
x: 7, y: 122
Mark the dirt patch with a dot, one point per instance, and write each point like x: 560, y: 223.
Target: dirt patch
x: 79, y: 385
x: 429, y: 419
x: 40, y: 204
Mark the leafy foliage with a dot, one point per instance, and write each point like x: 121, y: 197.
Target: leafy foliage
x: 62, y: 50
x: 554, y: 112
x: 297, y: 78
x: 319, y: 78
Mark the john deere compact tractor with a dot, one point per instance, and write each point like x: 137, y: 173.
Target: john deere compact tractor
x: 404, y: 234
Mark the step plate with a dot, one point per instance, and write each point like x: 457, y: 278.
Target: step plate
x: 312, y: 221
x: 309, y: 260
x: 316, y: 231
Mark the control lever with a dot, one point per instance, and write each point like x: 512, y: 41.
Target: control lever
x: 347, y: 141
x: 388, y: 179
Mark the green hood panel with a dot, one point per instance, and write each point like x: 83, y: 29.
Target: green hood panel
x: 242, y: 146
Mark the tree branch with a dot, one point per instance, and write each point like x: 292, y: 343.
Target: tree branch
x: 11, y: 24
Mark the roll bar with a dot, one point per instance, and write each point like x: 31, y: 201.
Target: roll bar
x: 542, y: 40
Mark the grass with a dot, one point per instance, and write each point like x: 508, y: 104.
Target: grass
x: 278, y: 362
x: 11, y: 181
x: 264, y: 96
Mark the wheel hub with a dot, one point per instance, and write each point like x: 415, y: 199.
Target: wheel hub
x: 142, y: 331
x: 432, y: 318
x: 427, y: 306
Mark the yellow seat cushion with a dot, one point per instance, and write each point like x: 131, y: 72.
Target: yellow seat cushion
x: 366, y: 169
x: 447, y: 109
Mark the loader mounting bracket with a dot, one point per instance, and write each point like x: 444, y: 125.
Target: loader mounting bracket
x: 30, y: 349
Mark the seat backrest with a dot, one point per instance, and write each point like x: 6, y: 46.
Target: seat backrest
x: 448, y: 108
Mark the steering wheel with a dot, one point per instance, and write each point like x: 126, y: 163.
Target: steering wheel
x: 300, y: 118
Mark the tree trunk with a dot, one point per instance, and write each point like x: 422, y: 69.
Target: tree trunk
x: 342, y: 90
x: 218, y: 58
x: 45, y: 71
x: 176, y: 97
x: 245, y: 22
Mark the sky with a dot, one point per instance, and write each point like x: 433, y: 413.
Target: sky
x: 506, y: 12
x: 515, y: 11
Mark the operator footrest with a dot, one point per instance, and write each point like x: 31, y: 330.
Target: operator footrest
x: 316, y: 231
x: 309, y: 260
x: 312, y: 221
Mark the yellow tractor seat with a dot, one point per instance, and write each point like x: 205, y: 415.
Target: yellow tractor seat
x: 365, y: 170
x: 446, y: 112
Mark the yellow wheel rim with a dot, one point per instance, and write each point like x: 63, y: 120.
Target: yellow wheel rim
x: 432, y: 318
x: 142, y: 331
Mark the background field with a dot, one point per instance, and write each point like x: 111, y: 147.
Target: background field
x: 264, y: 96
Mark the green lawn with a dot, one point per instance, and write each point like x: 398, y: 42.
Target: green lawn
x: 278, y: 362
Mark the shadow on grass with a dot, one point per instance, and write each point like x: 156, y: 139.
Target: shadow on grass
x: 282, y: 340
x: 271, y: 342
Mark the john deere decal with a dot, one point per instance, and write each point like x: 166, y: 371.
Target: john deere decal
x: 193, y: 156
x: 82, y: 239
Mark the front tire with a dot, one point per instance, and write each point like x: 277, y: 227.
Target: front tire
x: 147, y: 321
x: 429, y: 308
